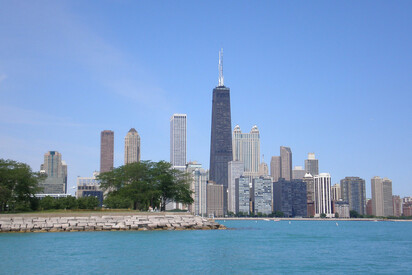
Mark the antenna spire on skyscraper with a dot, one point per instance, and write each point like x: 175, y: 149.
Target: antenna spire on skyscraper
x: 221, y: 82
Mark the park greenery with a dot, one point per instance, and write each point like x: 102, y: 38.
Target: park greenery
x: 145, y: 184
x: 18, y: 184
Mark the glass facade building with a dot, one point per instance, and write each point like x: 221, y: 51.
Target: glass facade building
x: 242, y: 195
x: 290, y: 197
x: 353, y: 192
x: 262, y: 195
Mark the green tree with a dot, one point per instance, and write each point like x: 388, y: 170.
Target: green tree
x: 90, y: 202
x: 18, y: 184
x: 354, y: 214
x: 47, y: 203
x: 279, y: 214
x: 115, y: 201
x: 336, y: 215
x: 69, y: 202
x: 145, y: 184
x: 323, y: 215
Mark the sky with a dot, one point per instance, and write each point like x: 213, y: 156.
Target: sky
x: 329, y: 77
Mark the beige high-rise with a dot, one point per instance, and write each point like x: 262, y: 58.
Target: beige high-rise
x: 246, y: 148
x: 131, y: 147
x: 382, y: 205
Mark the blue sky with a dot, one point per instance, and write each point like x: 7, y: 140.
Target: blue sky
x: 328, y: 77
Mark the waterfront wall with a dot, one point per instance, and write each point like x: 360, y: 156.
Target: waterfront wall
x: 105, y: 223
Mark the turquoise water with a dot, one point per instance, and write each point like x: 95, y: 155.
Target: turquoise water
x: 263, y: 247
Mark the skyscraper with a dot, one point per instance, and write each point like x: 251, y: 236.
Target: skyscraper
x: 131, y: 147
x: 397, y: 206
x: 310, y: 192
x: 286, y: 163
x: 242, y: 196
x: 290, y: 197
x: 263, y: 195
x: 382, y: 205
x: 215, y: 199
x: 178, y: 141
x: 198, y: 186
x: 246, y: 148
x: 235, y: 171
x: 275, y: 168
x: 353, y: 192
x: 221, y: 134
x: 312, y: 165
x: 106, y: 151
x: 323, y: 198
x: 56, y: 171
x: 336, y: 192
x: 298, y: 173
x: 263, y: 169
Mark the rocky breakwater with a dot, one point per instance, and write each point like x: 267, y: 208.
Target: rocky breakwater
x: 106, y: 223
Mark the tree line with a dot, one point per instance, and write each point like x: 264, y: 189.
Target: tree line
x: 145, y: 184
x: 140, y: 186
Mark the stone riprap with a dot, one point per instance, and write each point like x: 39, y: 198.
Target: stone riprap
x: 106, y: 223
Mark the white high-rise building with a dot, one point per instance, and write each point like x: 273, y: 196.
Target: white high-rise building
x: 323, y: 196
x: 246, y: 148
x: 235, y: 171
x: 131, y: 147
x: 178, y: 144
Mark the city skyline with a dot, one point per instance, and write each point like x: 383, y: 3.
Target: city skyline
x: 347, y: 73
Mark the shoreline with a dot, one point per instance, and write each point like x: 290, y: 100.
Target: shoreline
x: 92, y: 221
x: 311, y: 219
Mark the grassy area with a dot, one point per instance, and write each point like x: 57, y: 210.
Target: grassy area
x: 84, y: 212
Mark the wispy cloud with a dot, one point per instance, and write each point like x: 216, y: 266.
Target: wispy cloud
x: 15, y: 115
x: 2, y: 77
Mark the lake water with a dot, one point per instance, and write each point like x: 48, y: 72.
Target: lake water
x: 263, y: 247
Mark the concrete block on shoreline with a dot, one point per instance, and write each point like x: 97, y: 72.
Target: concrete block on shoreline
x: 107, y: 222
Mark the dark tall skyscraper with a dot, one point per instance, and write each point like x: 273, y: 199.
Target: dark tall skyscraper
x: 221, y: 137
x: 106, y: 151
